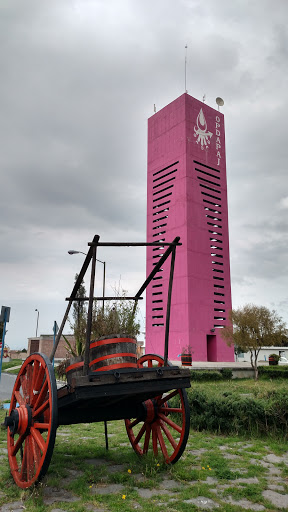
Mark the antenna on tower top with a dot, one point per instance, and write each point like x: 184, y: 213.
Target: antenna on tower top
x: 186, y: 46
x: 204, y: 98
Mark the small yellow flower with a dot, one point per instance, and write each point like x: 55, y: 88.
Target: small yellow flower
x: 210, y: 469
x: 123, y: 496
x: 90, y: 486
x: 129, y: 471
x: 158, y: 464
x: 203, y: 467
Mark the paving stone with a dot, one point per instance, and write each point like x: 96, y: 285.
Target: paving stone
x: 52, y: 495
x: 275, y: 459
x: 96, y: 462
x: 15, y: 506
x: 260, y: 463
x: 275, y: 487
x: 246, y: 504
x: 136, y: 506
x: 278, y: 500
x: 170, y: 484
x: 223, y: 448
x: 274, y: 471
x: 139, y: 477
x: 58, y: 510
x: 197, y: 452
x: 211, y: 481
x: 148, y: 493
x: 230, y: 456
x: 202, y: 502
x: 117, y: 468
x: 107, y: 489
x: 3, y: 450
x: 72, y: 475
x: 251, y: 480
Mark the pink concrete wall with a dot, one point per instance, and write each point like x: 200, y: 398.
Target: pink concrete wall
x: 178, y: 191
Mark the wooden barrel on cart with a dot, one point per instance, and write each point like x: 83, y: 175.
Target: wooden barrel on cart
x: 74, y: 368
x: 112, y: 353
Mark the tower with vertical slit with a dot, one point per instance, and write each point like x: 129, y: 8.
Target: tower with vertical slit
x: 187, y: 196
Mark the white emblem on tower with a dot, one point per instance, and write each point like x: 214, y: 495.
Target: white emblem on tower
x: 201, y: 131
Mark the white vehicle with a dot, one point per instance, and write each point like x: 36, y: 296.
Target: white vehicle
x: 283, y: 360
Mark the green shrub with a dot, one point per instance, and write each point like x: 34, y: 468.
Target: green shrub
x: 273, y: 372
x: 205, y: 375
x: 210, y: 375
x: 226, y: 373
x: 231, y: 413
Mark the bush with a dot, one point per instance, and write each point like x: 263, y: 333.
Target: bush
x: 210, y: 375
x: 226, y: 373
x: 272, y: 372
x: 231, y: 413
x: 204, y: 375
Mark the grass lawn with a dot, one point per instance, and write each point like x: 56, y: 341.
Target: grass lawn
x: 242, y: 386
x: 11, y: 364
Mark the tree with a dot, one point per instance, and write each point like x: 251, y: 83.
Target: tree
x: 118, y: 316
x: 79, y: 323
x: 253, y: 327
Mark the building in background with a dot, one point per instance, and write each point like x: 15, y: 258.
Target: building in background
x: 187, y: 196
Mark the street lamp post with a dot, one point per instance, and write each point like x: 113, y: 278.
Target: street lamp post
x: 104, y: 270
x: 37, y: 321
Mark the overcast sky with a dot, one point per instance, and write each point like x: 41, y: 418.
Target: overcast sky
x: 79, y: 79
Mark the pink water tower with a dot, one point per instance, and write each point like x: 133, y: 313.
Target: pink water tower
x: 187, y: 196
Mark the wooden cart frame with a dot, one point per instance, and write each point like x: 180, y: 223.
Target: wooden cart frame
x: 150, y: 398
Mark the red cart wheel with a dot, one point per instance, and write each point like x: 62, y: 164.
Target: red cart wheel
x: 162, y: 425
x: 32, y: 421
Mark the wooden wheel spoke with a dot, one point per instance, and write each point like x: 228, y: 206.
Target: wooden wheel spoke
x: 35, y: 374
x: 140, y: 434
x: 18, y: 444
x: 150, y: 364
x: 40, y: 409
x: 41, y: 426
x: 29, y: 374
x: 162, y: 444
x: 170, y: 409
x: 30, y: 461
x: 147, y: 438
x: 38, y: 383
x: 36, y: 453
x: 19, y: 398
x: 154, y: 440
x: 23, y: 380
x: 42, y: 395
x: 167, y: 397
x: 135, y: 422
x: 168, y: 434
x: 170, y: 423
x: 23, y: 472
x: 39, y: 439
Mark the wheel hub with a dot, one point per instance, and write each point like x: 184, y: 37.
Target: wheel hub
x: 20, y: 420
x: 150, y: 407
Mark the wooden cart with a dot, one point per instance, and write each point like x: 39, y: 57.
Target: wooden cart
x: 151, y: 397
